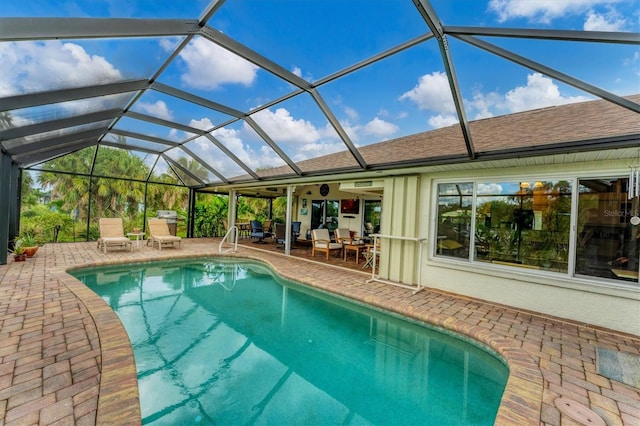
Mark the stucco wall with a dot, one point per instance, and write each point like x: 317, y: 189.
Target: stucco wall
x: 603, y: 303
x: 617, y: 309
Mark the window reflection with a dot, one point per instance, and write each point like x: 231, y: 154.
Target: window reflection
x: 607, y: 242
x: 454, y: 219
x: 524, y: 223
x: 528, y: 224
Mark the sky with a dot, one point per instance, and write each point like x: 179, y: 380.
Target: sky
x: 403, y: 94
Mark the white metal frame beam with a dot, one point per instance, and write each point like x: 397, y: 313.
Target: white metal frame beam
x: 70, y: 94
x: 23, y: 29
x: 62, y: 123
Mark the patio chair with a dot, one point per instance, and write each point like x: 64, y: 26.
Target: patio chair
x: 112, y: 234
x: 159, y: 234
x: 368, y: 256
x: 280, y: 234
x: 321, y: 242
x: 295, y: 230
x: 343, y: 236
x: 368, y: 228
x: 258, y: 233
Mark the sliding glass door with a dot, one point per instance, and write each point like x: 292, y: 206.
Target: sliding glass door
x: 325, y: 213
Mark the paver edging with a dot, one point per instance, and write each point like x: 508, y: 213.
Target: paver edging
x: 118, y: 396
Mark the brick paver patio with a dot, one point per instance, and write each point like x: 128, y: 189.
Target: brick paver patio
x: 65, y: 358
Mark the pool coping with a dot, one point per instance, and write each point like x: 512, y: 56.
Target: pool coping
x: 119, y: 400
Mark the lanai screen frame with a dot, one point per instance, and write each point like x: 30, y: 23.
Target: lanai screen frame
x: 25, y: 156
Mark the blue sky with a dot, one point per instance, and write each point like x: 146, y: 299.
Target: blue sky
x: 403, y: 94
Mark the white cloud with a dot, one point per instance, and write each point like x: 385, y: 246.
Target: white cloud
x: 482, y: 103
x: 542, y: 10
x: 41, y: 66
x: 202, y: 124
x: 610, y: 21
x: 379, y: 128
x: 351, y: 113
x: 170, y: 43
x: 158, y: 109
x: 282, y: 127
x: 209, y: 66
x: 632, y: 60
x: 432, y: 93
x: 539, y: 92
x: 438, y: 121
x: 233, y: 141
x: 489, y: 188
x: 317, y: 150
x: 352, y: 130
x: 298, y: 71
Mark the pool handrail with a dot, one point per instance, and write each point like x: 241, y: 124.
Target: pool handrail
x: 234, y: 249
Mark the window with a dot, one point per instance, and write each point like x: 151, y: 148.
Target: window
x: 524, y: 223
x: 455, y: 203
x: 372, y: 216
x: 607, y: 243
x: 324, y: 213
x: 527, y: 224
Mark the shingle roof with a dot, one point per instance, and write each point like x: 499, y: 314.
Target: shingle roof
x: 570, y: 126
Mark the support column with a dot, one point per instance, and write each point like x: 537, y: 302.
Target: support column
x: 191, y: 212
x: 8, y: 200
x: 231, y: 212
x: 16, y: 202
x: 287, y: 234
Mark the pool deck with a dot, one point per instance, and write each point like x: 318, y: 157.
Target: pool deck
x: 66, y: 359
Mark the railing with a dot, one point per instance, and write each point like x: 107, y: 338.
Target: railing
x: 226, y: 237
x: 376, y: 277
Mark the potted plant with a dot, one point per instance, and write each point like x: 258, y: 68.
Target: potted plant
x: 18, y: 252
x: 29, y: 244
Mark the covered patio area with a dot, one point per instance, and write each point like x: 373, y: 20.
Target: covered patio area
x: 64, y: 356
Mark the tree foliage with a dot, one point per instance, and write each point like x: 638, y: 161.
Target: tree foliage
x: 123, y: 186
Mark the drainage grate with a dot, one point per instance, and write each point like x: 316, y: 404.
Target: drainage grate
x: 578, y: 412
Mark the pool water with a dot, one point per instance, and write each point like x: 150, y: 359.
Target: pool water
x: 227, y: 342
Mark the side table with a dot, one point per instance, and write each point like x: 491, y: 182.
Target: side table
x: 357, y: 248
x: 138, y: 235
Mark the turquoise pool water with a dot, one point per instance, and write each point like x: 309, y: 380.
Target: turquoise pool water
x: 227, y: 342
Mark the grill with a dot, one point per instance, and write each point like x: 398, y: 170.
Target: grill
x: 171, y: 217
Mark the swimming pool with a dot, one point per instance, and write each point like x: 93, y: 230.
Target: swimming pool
x: 220, y: 341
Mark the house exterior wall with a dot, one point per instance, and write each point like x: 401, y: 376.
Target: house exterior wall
x: 401, y: 215
x: 599, y: 302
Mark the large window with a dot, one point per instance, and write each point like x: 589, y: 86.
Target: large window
x: 528, y: 224
x: 607, y: 241
x: 455, y: 203
x: 524, y: 223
